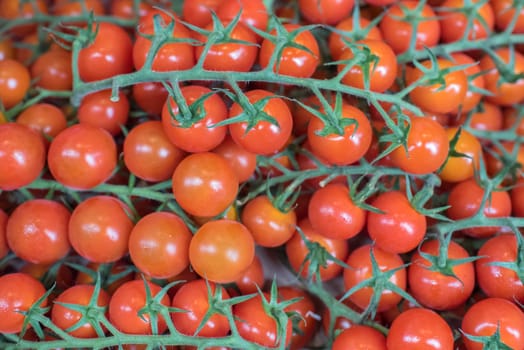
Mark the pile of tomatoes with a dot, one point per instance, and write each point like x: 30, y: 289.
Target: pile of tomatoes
x: 246, y: 174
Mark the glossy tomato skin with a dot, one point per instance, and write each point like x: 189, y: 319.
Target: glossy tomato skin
x: 325, y: 11
x: 417, y: 329
x: 44, y: 118
x: 472, y: 98
x: 22, y: 155
x: 204, y: 184
x: 453, y: 24
x: 255, y: 325
x: 52, y: 70
x: 14, y: 82
x: 149, y: 154
x: 150, y: 97
x: 82, y: 156
x: 400, y: 228
x: 360, y: 337
x: 18, y: 292
x: 201, y: 136
x: 65, y: 317
x: 497, y: 281
x: 252, y: 278
x: 465, y: 199
x: 461, y: 168
x: 198, y: 12
x: 37, y: 231
x: 333, y: 213
x: 99, y: 229
x: 484, y: 317
x: 342, y: 149
x: 242, y: 162
x: 347, y: 25
x: 221, y: 250
x: 360, y: 269
x: 488, y: 118
x: 254, y: 12
x: 159, y: 244
x: 264, y: 138
x: 108, y: 55
x: 193, y: 298
x: 125, y: 303
x: 297, y: 251
x: 434, y: 289
x: 98, y: 110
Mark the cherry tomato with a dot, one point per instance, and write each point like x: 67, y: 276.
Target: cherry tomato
x: 360, y: 269
x: 453, y: 24
x: 264, y: 138
x: 17, y: 9
x: 22, y: 155
x: 14, y: 82
x: 97, y: 109
x: 221, y: 250
x: 325, y: 11
x: 108, y: 55
x: 486, y: 316
x: 198, y: 12
x: 4, y: 248
x: 360, y: 337
x: 292, y: 61
x: 150, y: 97
x: 192, y: 297
x: 44, y: 118
x: 159, y: 244
x: 242, y: 162
x: 252, y: 278
x: 305, y: 314
x: 99, y: 229
x: 517, y: 199
x: 476, y: 80
x: 128, y: 300
x: 505, y: 12
x: 126, y: 9
x: 488, y: 118
x: 350, y: 33
x: 64, y: 317
x: 67, y: 8
x: 254, y: 12
x: 82, y: 156
x: 460, y: 168
x: 418, y: 328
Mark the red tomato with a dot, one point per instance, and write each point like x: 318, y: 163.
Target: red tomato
x: 333, y: 213
x: 198, y: 12
x: 97, y: 109
x: 128, y: 300
x: 14, y: 82
x: 18, y: 292
x: 397, y: 29
x: 486, y: 316
x: 453, y: 23
x: 498, y: 281
x: 108, y: 55
x: 126, y: 9
x: 435, y: 289
x: 360, y: 337
x: 417, y: 329
x: 64, y: 317
x: 221, y: 250
x: 505, y: 12
x: 82, y: 156
x: 7, y: 50
x: 297, y: 252
x: 44, y: 118
x: 264, y: 138
x: 193, y: 298
x: 52, y: 70
x: 306, y: 317
x: 4, y: 248
x: 292, y: 61
x: 400, y: 228
x: 149, y: 154
x: 475, y: 79
x: 252, y: 278
x: 150, y: 97
x: 360, y: 269
x: 22, y: 155
x: 460, y: 168
x: 99, y: 229
x: 202, y: 135
x: 517, y: 199
x: 325, y: 11
x: 255, y: 325
x: 351, y: 32
x: 488, y: 118
x: 254, y: 12
x: 242, y: 162
x: 37, y: 231
x: 18, y: 9
x: 465, y: 199
x: 345, y: 147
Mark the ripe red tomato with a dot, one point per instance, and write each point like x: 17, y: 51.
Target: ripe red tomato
x: 17, y: 9
x: 18, y: 292
x: 517, y: 199
x: 201, y: 136
x: 488, y: 118
x: 427, y: 147
x: 99, y: 229
x: 254, y: 12
x: 198, y: 12
x: 380, y: 74
x: 221, y: 250
x: 434, y: 289
x: 14, y: 82
x: 460, y: 168
x: 22, y: 155
x: 52, y: 70
x: 204, y: 184
x: 399, y: 228
x: 255, y: 325
x: 360, y: 269
x: 333, y: 213
x: 4, y: 248
x: 453, y: 24
x: 397, y: 29
x: 109, y: 54
x: 465, y: 199
x: 242, y: 162
x: 498, y: 281
x: 82, y: 156
x: 360, y: 337
x: 475, y: 79
x: 64, y: 317
x: 505, y: 12
x: 193, y: 298
x: 325, y: 11
x: 486, y: 316
x: 297, y: 252
x: 125, y: 9
x: 97, y: 109
x: 149, y: 154
x: 264, y: 138
x: 159, y: 244
x: 346, y: 148
x: 44, y: 118
x: 128, y: 300
x: 418, y: 328
x: 365, y: 31
x: 37, y: 231
x: 292, y: 61
x: 150, y: 97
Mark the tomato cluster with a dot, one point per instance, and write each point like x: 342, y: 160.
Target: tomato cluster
x: 254, y: 174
